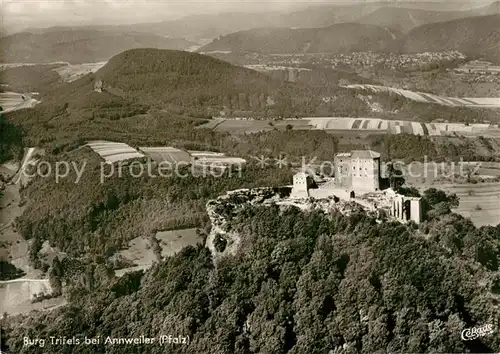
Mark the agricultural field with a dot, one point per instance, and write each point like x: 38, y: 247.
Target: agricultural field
x: 248, y: 126
x: 215, y: 159
x: 431, y: 98
x: 361, y: 125
x: 219, y: 160
x: 198, y: 154
x: 5, y: 66
x: 67, y: 72
x: 197, y: 158
x: 166, y: 154
x: 398, y: 127
x: 113, y: 152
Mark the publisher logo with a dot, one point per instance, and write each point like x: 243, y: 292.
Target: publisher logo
x: 476, y: 332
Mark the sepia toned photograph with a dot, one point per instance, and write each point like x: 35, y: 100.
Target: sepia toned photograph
x: 244, y: 176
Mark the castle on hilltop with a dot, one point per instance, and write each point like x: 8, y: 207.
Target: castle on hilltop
x: 98, y: 86
x: 358, y: 178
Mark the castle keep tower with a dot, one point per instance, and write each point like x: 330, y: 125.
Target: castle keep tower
x: 98, y: 86
x: 358, y: 170
x: 365, y: 166
x: 301, y: 184
x: 343, y: 178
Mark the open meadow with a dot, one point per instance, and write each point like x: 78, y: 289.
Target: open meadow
x: 141, y: 254
x: 479, y: 201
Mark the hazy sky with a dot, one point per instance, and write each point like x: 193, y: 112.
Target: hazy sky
x: 27, y: 13
x: 19, y: 14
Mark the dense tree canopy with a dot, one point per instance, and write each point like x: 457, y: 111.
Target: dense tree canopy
x: 300, y: 283
x: 11, y: 140
x: 96, y: 217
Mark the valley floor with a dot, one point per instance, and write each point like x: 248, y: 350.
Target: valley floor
x: 16, y: 295
x: 12, y: 101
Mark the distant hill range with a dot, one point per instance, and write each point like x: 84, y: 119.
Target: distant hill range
x: 405, y: 19
x: 78, y: 45
x: 369, y: 26
x: 340, y: 38
x: 476, y: 36
x: 203, y: 28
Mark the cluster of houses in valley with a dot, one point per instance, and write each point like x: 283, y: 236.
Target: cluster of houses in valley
x: 394, y: 61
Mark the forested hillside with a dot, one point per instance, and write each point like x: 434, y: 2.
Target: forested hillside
x: 404, y: 19
x: 301, y: 283
x: 181, y: 78
x: 475, y: 36
x: 338, y: 38
x: 11, y: 140
x: 192, y: 85
x: 473, y: 32
x: 30, y: 78
x: 104, y: 216
x: 200, y: 86
x: 78, y: 45
x: 155, y: 97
